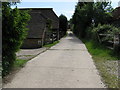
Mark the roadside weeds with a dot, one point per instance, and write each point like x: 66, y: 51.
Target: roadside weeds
x: 106, y: 63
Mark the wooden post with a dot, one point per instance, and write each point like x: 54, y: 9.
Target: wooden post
x: 43, y: 37
x: 58, y: 36
x: 52, y: 38
x: 116, y: 41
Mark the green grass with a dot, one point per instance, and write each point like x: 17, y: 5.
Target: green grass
x: 100, y: 55
x: 50, y: 45
x: 19, y: 63
x: 100, y: 51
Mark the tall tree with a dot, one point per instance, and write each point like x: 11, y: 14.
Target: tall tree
x: 102, y: 12
x: 82, y: 17
x: 63, y: 23
x: 87, y: 13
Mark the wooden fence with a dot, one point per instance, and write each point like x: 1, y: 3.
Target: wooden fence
x: 114, y: 43
x: 51, y: 37
x: 61, y: 34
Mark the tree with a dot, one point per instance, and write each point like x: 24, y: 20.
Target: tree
x: 82, y: 18
x: 102, y: 13
x: 87, y: 13
x: 63, y: 23
x: 14, y: 32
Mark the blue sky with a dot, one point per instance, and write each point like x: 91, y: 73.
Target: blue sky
x: 59, y: 6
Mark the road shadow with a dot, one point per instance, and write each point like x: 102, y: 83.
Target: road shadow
x: 74, y: 39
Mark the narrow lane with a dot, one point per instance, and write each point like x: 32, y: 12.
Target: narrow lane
x: 65, y: 65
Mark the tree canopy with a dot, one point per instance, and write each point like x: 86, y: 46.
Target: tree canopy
x: 88, y: 13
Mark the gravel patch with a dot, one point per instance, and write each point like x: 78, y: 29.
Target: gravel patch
x: 112, y: 67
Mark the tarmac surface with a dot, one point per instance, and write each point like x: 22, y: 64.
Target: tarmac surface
x: 65, y: 65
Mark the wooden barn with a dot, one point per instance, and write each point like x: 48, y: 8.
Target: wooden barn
x: 116, y: 17
x: 38, y: 26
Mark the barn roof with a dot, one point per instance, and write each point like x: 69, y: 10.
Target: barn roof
x: 36, y: 25
x: 116, y: 13
x: 48, y: 13
x: 43, y: 10
x: 38, y: 21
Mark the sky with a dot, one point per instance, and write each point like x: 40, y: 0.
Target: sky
x: 65, y: 7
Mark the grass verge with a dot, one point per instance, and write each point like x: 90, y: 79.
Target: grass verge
x: 101, y: 57
x: 19, y: 63
x: 50, y: 45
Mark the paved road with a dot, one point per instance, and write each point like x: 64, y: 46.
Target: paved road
x: 65, y: 65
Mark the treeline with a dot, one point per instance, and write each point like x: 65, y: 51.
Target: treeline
x: 93, y: 18
x: 14, y: 29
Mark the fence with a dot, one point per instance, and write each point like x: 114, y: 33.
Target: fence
x: 61, y: 34
x: 113, y: 43
x: 51, y: 37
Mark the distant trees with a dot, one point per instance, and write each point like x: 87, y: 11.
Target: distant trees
x: 89, y: 13
x: 63, y: 24
x: 14, y: 30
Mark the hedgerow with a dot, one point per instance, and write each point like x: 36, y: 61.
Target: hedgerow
x: 14, y: 31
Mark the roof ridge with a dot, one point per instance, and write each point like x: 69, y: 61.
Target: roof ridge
x: 37, y: 8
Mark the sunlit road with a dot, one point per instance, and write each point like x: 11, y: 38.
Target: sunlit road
x: 66, y: 65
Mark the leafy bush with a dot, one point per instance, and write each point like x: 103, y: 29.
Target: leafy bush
x: 107, y: 32
x: 14, y: 32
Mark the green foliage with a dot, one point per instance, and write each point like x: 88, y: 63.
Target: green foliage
x: 108, y: 30
x: 90, y: 13
x: 101, y: 55
x: 63, y: 23
x: 102, y: 12
x: 50, y: 45
x: 14, y: 32
x: 104, y: 34
x: 82, y: 18
x: 19, y: 63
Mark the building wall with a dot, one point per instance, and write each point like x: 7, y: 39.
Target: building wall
x: 32, y: 43
x: 36, y: 25
x: 116, y: 17
x: 116, y: 13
